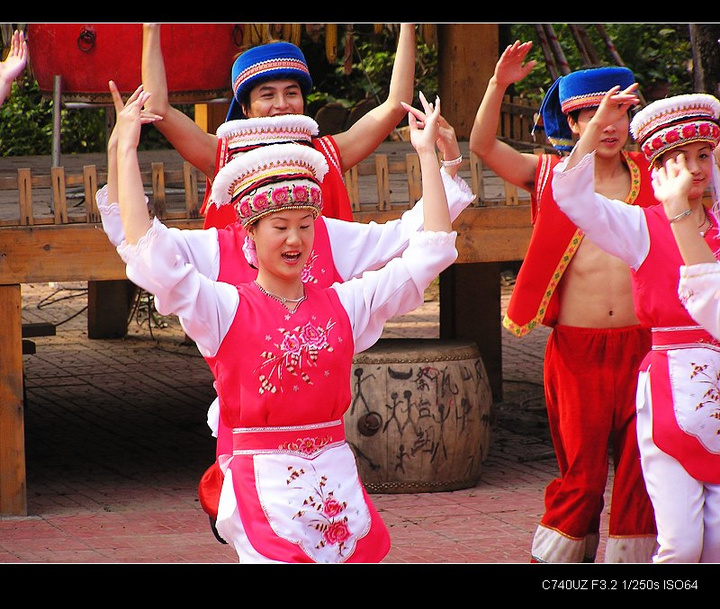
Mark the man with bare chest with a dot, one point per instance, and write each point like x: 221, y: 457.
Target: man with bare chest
x: 596, y: 345
x: 581, y: 302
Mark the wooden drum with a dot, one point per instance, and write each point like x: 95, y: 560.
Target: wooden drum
x: 419, y: 420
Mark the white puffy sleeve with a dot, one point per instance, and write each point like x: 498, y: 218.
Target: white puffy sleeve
x: 699, y: 291
x: 358, y: 247
x: 205, y: 308
x: 616, y: 227
x: 397, y: 288
x: 197, y: 247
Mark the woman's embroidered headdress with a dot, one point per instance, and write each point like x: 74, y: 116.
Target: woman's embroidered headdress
x: 245, y: 134
x: 270, y: 179
x: 675, y: 121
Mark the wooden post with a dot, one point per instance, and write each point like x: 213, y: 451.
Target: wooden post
x: 467, y: 53
x: 210, y: 116
x: 13, y: 491
x: 470, y: 293
x: 109, y: 306
x: 470, y: 310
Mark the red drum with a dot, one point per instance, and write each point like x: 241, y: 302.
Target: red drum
x: 198, y: 59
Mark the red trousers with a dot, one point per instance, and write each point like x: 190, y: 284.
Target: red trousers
x: 590, y: 384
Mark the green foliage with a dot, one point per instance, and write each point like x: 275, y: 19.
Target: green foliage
x: 371, y: 69
x: 25, y: 121
x: 656, y: 53
x: 26, y: 124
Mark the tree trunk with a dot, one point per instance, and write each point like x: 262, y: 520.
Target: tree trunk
x: 706, y: 57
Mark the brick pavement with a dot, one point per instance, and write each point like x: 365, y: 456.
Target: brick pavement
x: 116, y: 441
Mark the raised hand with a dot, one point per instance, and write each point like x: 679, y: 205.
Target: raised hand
x: 13, y: 65
x: 144, y: 116
x: 16, y: 59
x: 615, y: 105
x: 511, y: 66
x: 424, y: 125
x: 672, y: 182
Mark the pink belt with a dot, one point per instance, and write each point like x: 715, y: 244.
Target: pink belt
x: 682, y: 337
x: 304, y: 440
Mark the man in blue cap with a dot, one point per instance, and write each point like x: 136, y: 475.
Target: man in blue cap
x: 596, y: 344
x: 269, y: 80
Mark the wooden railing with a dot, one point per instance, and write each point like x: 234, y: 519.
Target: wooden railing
x: 45, y: 198
x: 387, y: 182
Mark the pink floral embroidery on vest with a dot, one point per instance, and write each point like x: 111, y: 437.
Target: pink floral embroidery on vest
x: 298, y: 351
x: 307, y: 271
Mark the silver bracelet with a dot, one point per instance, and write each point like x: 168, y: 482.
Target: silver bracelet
x: 452, y: 163
x: 681, y: 215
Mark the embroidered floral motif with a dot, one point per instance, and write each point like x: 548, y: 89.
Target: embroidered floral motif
x: 299, y: 349
x: 712, y: 395
x: 306, y: 446
x: 323, y: 512
x: 307, y: 271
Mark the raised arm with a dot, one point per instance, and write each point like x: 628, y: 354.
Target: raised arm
x: 616, y: 227
x: 511, y: 165
x: 13, y: 65
x: 362, y: 138
x: 130, y: 190
x: 423, y: 136
x: 184, y: 134
x: 145, y: 117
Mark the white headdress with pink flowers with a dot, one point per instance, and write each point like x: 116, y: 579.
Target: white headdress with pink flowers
x: 270, y: 179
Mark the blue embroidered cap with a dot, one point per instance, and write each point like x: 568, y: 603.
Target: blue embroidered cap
x: 577, y: 90
x: 271, y: 61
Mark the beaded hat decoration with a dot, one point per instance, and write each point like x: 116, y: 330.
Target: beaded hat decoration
x: 271, y: 61
x: 675, y: 121
x: 270, y: 179
x: 245, y: 134
x: 576, y: 91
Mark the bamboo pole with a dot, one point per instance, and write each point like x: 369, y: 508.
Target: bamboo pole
x: 609, y: 44
x: 557, y: 49
x: 547, y: 53
x: 589, y: 46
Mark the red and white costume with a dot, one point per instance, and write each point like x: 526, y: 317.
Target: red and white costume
x: 342, y: 250
x: 589, y: 376
x: 678, y: 420
x: 291, y: 491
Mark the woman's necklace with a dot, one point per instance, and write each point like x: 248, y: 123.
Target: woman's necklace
x: 281, y: 299
x: 700, y: 228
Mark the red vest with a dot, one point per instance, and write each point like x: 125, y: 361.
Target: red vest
x: 554, y: 242
x: 276, y: 369
x: 655, y: 283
